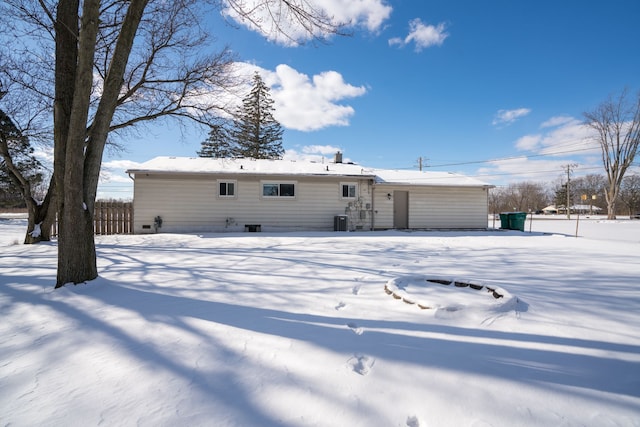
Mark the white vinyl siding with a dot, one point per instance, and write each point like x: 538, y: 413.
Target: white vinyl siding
x: 189, y: 203
x: 435, y: 207
x: 192, y: 202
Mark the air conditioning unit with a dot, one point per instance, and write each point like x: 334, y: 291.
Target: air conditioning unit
x: 340, y: 223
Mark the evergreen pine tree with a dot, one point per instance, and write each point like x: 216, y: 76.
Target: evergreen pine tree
x: 218, y: 144
x: 256, y: 133
x: 20, y: 171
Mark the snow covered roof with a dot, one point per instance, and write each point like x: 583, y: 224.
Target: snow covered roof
x: 585, y: 207
x: 247, y: 166
x: 208, y: 165
x: 386, y: 176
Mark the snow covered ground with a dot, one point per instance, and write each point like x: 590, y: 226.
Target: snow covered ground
x: 327, y: 329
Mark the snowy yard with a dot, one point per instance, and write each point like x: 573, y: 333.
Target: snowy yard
x: 327, y: 329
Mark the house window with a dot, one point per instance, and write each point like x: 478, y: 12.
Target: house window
x: 349, y: 190
x: 281, y: 189
x: 226, y: 189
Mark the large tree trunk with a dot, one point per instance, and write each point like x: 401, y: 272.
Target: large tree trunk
x: 66, y: 29
x: 76, y: 248
x: 83, y: 151
x: 611, y: 210
x: 610, y: 195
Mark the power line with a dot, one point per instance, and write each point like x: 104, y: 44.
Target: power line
x: 529, y: 172
x: 502, y: 159
x: 510, y: 158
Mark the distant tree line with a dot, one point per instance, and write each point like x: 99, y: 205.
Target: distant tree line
x: 589, y: 190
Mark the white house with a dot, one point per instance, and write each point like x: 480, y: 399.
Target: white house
x: 173, y: 194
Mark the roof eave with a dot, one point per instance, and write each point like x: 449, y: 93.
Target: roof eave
x: 250, y: 173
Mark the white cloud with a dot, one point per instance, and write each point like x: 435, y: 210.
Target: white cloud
x: 277, y: 24
x: 321, y: 149
x: 114, y: 182
x: 523, y: 169
x: 557, y: 121
x: 570, y: 137
x: 306, y: 103
x: 423, y: 36
x: 528, y: 142
x: 563, y: 136
x: 301, y: 102
x: 506, y: 117
x: 113, y: 171
x: 564, y: 140
x: 44, y: 153
x: 370, y: 14
x: 315, y: 153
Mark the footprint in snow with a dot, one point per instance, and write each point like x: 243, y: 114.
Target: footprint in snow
x: 361, y: 364
x: 355, y: 290
x: 413, y: 421
x: 340, y: 305
x: 354, y: 327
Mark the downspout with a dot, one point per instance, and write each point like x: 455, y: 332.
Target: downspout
x: 372, y: 185
x: 133, y: 209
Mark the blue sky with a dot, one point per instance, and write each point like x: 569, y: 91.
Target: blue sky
x: 458, y: 83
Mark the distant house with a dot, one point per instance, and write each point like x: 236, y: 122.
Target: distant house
x: 174, y: 194
x: 585, y: 209
x: 581, y: 209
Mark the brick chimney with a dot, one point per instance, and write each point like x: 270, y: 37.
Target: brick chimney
x: 338, y: 157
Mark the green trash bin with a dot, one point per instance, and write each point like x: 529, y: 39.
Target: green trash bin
x: 504, y: 221
x: 517, y: 220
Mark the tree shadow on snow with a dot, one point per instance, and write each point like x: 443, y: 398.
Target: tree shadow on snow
x: 567, y: 365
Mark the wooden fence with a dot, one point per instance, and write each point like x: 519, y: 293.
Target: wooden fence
x: 113, y: 218
x: 109, y: 218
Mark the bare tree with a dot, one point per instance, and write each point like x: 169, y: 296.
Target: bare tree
x: 616, y: 123
x: 630, y: 194
x: 589, y: 190
x: 165, y: 76
x: 288, y: 21
x: 523, y: 196
x: 145, y: 55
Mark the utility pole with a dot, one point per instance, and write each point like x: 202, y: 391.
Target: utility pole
x: 422, y: 160
x: 569, y: 170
